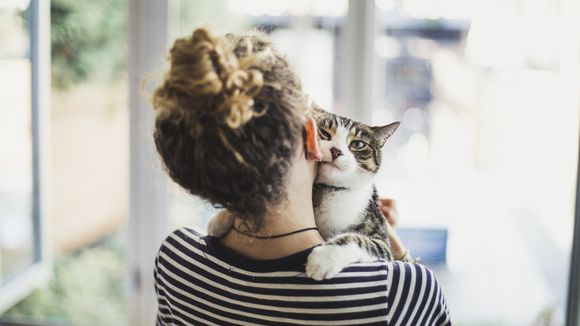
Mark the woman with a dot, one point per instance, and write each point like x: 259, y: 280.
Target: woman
x: 231, y: 127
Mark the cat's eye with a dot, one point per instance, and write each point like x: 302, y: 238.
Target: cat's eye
x: 324, y: 135
x: 357, y: 144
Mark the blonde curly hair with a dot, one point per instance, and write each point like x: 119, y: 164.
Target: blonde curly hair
x: 230, y: 115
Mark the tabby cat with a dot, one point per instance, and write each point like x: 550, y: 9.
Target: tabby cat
x: 344, y: 196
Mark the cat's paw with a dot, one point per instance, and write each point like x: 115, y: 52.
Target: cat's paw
x: 220, y: 224
x: 325, y: 262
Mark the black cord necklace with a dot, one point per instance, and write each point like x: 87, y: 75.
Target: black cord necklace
x: 276, y: 235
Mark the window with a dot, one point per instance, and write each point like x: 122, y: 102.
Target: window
x: 23, y: 83
x: 87, y: 142
x: 487, y: 150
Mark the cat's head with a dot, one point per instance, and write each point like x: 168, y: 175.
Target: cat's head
x: 351, y: 150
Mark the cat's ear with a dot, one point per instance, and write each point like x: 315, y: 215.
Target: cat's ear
x: 315, y: 106
x: 315, y: 110
x: 383, y: 133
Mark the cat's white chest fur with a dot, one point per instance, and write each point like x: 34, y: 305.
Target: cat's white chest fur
x: 340, y: 209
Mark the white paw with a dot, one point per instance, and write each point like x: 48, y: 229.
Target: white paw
x: 220, y: 224
x: 325, y: 262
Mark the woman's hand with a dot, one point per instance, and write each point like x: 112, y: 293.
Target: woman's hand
x: 397, y: 246
x: 389, y: 209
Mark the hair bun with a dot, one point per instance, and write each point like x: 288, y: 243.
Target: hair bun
x: 206, y: 78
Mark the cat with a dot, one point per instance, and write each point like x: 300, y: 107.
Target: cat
x: 344, y: 196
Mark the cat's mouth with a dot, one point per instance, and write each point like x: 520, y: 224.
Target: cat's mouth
x: 331, y: 164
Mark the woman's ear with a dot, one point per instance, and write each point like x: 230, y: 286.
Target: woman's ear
x: 312, y: 149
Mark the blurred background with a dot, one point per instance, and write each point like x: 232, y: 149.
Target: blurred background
x: 483, y: 167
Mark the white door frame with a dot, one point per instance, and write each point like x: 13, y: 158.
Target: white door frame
x: 150, y: 24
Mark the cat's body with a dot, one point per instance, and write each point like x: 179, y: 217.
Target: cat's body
x: 338, y: 209
x: 344, y: 196
x: 342, y: 210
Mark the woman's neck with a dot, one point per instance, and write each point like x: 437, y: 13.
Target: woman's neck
x: 288, y: 218
x: 262, y: 249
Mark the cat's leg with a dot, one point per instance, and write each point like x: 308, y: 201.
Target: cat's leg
x: 330, y: 258
x: 220, y: 224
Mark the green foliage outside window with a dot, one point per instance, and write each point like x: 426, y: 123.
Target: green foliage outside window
x: 86, y: 288
x: 88, y: 40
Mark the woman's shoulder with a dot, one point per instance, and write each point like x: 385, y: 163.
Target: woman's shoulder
x: 414, y: 295
x: 186, y: 233
x: 399, y: 269
x: 182, y: 241
x: 185, y: 236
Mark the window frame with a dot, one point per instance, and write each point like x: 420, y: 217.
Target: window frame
x: 21, y: 285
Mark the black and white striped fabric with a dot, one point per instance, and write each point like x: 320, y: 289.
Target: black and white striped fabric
x: 201, y: 282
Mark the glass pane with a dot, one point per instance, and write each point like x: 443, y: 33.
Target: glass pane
x: 16, y: 170
x: 484, y: 163
x: 293, y: 26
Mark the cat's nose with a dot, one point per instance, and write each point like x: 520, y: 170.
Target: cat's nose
x: 335, y: 152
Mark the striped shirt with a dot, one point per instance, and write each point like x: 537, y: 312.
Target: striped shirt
x: 201, y: 282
